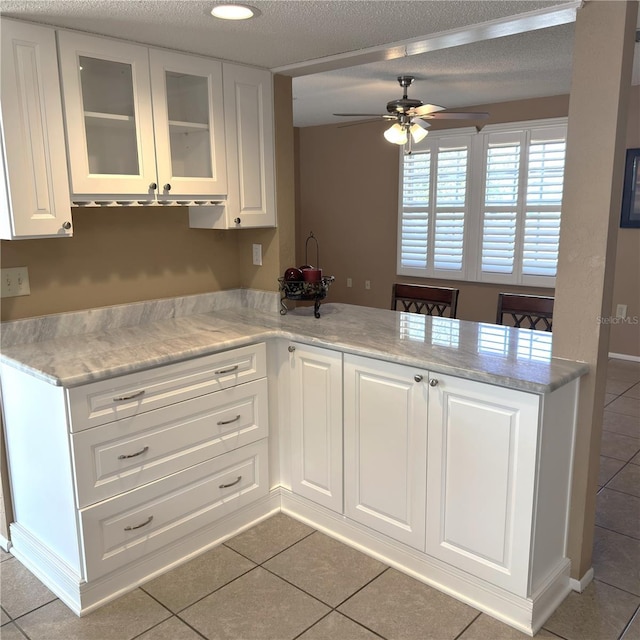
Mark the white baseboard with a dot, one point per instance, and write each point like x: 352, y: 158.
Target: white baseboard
x: 583, y: 583
x: 5, y: 543
x: 624, y: 356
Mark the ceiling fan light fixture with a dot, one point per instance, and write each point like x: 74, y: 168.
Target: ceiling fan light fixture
x: 418, y: 133
x: 234, y: 12
x: 396, y: 134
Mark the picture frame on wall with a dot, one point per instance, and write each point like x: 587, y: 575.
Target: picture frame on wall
x: 630, y: 215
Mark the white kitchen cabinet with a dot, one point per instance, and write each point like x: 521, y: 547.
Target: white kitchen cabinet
x: 142, y: 124
x: 316, y: 424
x: 249, y: 126
x: 116, y: 480
x: 487, y: 496
x: 385, y: 443
x: 34, y: 184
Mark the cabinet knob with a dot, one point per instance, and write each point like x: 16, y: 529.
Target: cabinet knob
x: 237, y: 220
x: 153, y: 186
x: 167, y: 187
x: 291, y: 348
x: 417, y: 377
x: 433, y: 382
x: 66, y: 225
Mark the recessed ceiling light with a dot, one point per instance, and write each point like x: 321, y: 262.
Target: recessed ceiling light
x: 234, y: 12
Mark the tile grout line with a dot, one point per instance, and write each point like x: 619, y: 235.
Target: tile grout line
x: 615, y: 586
x: 635, y: 615
x: 460, y: 634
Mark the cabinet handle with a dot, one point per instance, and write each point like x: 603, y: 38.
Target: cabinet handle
x: 417, y: 377
x: 237, y: 220
x: 433, y: 382
x: 229, y: 421
x: 226, y: 486
x: 131, y: 396
x: 153, y: 186
x: 219, y: 372
x: 66, y: 225
x: 142, y: 524
x: 291, y: 348
x: 133, y: 455
x: 167, y: 187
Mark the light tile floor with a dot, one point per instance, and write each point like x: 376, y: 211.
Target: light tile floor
x: 282, y: 580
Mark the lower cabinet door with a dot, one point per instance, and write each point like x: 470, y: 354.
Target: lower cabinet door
x: 316, y: 424
x: 127, y: 527
x: 385, y: 431
x: 482, y: 448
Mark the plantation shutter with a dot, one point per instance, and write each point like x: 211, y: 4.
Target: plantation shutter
x: 501, y: 193
x: 414, y: 232
x: 451, y: 198
x: 543, y: 202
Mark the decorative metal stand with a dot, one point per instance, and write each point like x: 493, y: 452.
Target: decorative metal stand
x: 303, y: 290
x: 300, y: 290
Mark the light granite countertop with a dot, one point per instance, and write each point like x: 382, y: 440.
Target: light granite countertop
x: 517, y: 359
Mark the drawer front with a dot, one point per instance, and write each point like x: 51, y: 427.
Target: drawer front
x: 124, y: 529
x: 126, y: 454
x: 108, y: 400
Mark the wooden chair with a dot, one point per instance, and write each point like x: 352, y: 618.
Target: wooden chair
x: 419, y: 298
x: 535, y: 311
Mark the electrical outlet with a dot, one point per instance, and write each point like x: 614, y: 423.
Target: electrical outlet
x: 621, y: 311
x: 15, y: 282
x: 257, y: 255
x: 349, y: 282
x: 367, y: 284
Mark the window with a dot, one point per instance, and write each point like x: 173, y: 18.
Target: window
x: 484, y: 206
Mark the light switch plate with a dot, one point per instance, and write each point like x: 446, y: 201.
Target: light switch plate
x: 14, y: 282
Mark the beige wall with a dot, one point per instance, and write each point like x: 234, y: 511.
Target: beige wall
x: 347, y: 194
x: 625, y: 338
x: 120, y: 255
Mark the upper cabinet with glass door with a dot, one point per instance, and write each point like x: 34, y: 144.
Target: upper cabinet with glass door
x: 141, y: 124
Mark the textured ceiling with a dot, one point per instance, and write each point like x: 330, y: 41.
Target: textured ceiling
x: 292, y: 32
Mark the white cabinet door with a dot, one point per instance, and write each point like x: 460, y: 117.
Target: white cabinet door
x: 481, y: 480
x: 385, y: 433
x: 248, y: 107
x: 316, y: 424
x: 188, y: 112
x: 34, y: 184
x: 107, y: 100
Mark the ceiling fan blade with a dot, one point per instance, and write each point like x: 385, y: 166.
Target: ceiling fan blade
x: 365, y: 115
x: 425, y: 109
x: 456, y: 115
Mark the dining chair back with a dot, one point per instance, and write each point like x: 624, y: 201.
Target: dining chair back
x: 525, y: 311
x: 420, y: 298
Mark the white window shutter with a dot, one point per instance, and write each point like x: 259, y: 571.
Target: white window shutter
x: 502, y: 188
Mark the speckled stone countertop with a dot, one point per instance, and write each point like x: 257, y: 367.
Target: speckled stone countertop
x: 518, y: 359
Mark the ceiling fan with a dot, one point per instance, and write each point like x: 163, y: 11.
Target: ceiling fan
x: 411, y: 116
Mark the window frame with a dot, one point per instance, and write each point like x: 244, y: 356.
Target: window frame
x: 474, y: 207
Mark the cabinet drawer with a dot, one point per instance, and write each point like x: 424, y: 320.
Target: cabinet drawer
x: 108, y: 400
x: 123, y: 529
x: 128, y: 453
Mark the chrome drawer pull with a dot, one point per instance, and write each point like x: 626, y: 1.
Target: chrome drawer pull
x: 226, y: 486
x: 220, y: 422
x: 131, y: 396
x: 133, y: 455
x: 138, y: 526
x: 229, y: 370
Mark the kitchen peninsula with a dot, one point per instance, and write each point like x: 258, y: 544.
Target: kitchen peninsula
x: 439, y: 446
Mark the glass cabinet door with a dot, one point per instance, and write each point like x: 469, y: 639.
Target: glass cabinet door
x: 109, y: 120
x: 189, y: 125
